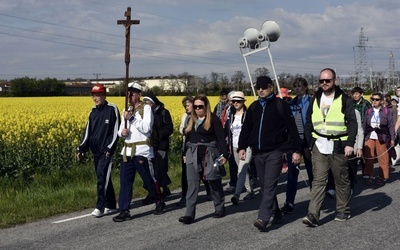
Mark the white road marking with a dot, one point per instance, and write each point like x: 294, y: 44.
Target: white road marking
x: 73, y: 218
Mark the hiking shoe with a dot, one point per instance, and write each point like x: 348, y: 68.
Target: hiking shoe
x: 287, y: 208
x: 248, y: 196
x: 260, y: 225
x: 331, y: 193
x: 160, y: 208
x: 310, y: 221
x: 97, y: 213
x: 108, y: 211
x: 123, y: 216
x: 148, y: 200
x: 235, y: 200
x: 342, y: 216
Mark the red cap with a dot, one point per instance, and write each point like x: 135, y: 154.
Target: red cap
x: 98, y: 88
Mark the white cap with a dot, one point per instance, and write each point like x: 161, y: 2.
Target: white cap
x: 134, y: 86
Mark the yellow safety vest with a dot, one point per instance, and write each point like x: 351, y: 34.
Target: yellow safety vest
x: 333, y: 125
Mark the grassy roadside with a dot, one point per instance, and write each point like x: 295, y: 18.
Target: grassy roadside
x: 61, y: 192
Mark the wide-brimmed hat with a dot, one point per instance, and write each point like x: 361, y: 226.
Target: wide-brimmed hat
x: 238, y: 96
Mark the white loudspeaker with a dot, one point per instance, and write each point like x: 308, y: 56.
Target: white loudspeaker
x: 249, y: 39
x: 269, y: 30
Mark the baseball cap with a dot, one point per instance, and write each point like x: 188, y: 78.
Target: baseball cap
x: 135, y: 86
x: 263, y: 82
x: 98, y: 88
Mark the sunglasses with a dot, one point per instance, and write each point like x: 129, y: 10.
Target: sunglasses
x: 198, y: 106
x: 236, y: 101
x: 263, y: 87
x: 375, y: 99
x: 325, y: 80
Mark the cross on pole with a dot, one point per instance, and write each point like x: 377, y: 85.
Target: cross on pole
x: 127, y: 23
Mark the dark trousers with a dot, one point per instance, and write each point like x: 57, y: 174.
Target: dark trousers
x: 269, y: 166
x: 160, y: 164
x: 233, y: 171
x: 127, y: 177
x: 105, y: 189
x: 293, y: 174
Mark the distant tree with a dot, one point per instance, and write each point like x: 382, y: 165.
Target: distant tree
x: 262, y: 71
x: 237, y: 80
x: 22, y: 86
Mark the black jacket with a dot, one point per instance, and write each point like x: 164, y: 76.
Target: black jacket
x: 162, y: 129
x: 266, y: 129
x: 101, y: 130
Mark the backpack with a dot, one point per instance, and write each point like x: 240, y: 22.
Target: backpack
x: 154, y: 132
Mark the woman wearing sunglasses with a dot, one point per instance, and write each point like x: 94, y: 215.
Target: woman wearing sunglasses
x: 233, y: 126
x: 206, y: 152
x: 378, y: 126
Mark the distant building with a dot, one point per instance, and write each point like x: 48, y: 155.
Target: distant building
x: 167, y: 84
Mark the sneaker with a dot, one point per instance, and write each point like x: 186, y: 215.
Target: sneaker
x: 260, y: 225
x: 235, y: 200
x: 160, y: 208
x: 342, y: 216
x: 108, y: 211
x: 331, y: 193
x: 148, y: 200
x: 123, y: 216
x: 97, y: 213
x: 248, y: 196
x: 230, y: 189
x: 287, y: 208
x: 310, y: 221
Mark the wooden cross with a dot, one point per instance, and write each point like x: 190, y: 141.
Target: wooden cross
x: 127, y: 23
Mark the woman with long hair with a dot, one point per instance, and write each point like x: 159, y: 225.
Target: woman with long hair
x: 206, y: 152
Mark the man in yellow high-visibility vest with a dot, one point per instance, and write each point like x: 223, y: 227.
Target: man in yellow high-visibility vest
x: 331, y: 129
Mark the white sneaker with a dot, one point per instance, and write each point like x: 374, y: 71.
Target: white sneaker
x: 97, y: 213
x: 109, y: 211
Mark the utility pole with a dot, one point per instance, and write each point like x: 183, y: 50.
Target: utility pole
x: 97, y: 76
x: 360, y: 60
x: 127, y: 24
x: 392, y: 83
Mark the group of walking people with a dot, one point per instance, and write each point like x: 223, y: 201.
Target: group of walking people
x: 331, y: 131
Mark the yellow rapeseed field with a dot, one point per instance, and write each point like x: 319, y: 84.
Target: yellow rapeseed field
x: 41, y: 134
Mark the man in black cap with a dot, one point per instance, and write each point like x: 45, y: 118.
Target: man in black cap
x: 270, y: 130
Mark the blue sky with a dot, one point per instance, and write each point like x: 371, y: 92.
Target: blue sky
x: 81, y: 38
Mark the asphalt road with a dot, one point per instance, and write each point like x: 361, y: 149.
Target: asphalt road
x: 374, y: 224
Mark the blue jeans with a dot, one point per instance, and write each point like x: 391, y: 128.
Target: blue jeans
x: 293, y: 174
